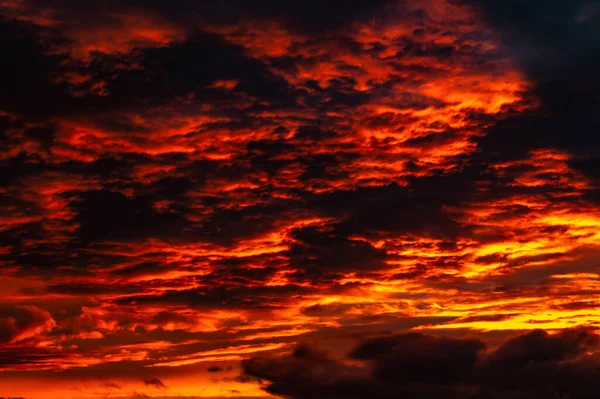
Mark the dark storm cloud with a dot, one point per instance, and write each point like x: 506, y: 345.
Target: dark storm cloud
x: 190, y: 67
x: 293, y: 375
x: 44, y: 135
x: 325, y: 166
x: 273, y: 156
x: 27, y: 69
x: 106, y: 215
x: 140, y: 269
x: 553, y: 39
x: 149, y: 76
x: 556, y: 42
x: 321, y: 254
x: 421, y: 358
x: 307, y: 16
x: 22, y: 165
x: 227, y: 225
x: 340, y: 93
x: 314, y: 133
x: 415, y: 366
x: 540, y: 347
x: 224, y: 296
x: 388, y: 209
x: 537, y: 365
x: 332, y: 309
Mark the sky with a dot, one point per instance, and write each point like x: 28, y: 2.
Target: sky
x: 273, y: 199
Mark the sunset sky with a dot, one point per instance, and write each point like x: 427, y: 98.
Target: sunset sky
x: 343, y: 199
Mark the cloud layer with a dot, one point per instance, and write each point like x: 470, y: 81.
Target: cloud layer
x: 188, y: 186
x: 413, y: 365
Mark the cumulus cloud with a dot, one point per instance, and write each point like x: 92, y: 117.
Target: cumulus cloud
x: 534, y: 364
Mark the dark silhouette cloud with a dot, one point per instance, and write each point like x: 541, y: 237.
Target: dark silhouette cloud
x: 154, y: 382
x: 414, y: 365
x: 19, y: 323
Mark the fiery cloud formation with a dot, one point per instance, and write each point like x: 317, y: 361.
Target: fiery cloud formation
x: 342, y: 199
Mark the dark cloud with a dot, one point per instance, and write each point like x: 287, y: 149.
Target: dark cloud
x: 552, y: 39
x: 19, y: 323
x: 190, y: 68
x: 420, y: 358
x: 44, y: 135
x: 309, y: 16
x: 556, y: 43
x: 320, y: 310
x: 415, y: 366
x: 321, y: 254
x: 223, y: 296
x: 294, y: 375
x: 154, y: 382
x: 388, y: 209
x: 105, y: 215
x: 313, y: 133
x: 29, y: 69
x: 540, y: 347
x: 140, y: 269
